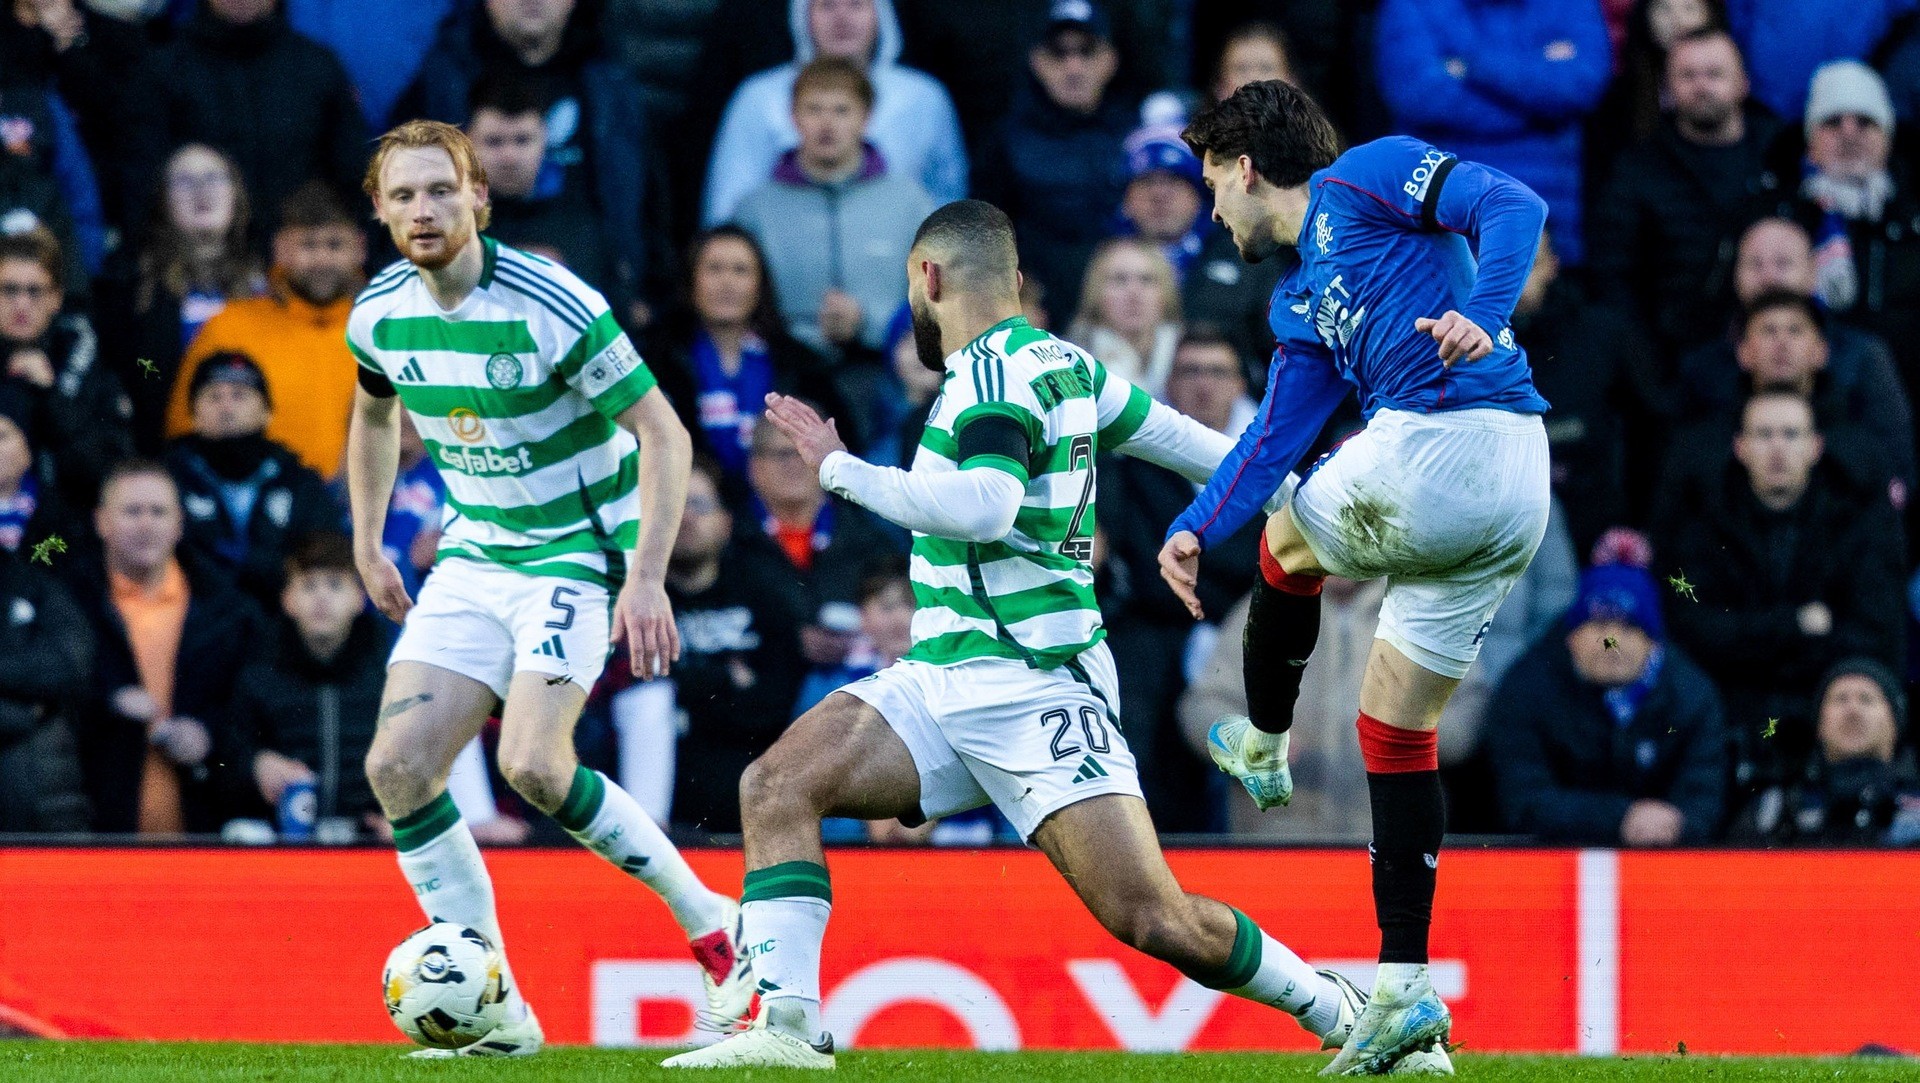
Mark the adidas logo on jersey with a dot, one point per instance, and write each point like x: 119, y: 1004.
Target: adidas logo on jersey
x: 1090, y: 769
x: 485, y: 461
x: 551, y: 649
x: 410, y: 373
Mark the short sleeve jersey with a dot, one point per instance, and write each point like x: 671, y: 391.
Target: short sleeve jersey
x: 514, y: 394
x: 1028, y: 596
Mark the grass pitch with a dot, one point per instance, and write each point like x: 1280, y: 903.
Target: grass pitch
x: 184, y: 1062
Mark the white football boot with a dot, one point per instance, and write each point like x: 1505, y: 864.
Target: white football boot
x: 1432, y: 1060
x: 1404, y: 1017
x: 759, y: 1046
x: 1257, y: 758
x: 726, y: 975
x: 512, y: 1039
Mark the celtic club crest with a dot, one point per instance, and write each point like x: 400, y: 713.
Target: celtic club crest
x: 503, y: 371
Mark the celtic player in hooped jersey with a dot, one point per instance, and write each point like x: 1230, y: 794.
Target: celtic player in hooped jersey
x: 566, y: 470
x: 1008, y: 695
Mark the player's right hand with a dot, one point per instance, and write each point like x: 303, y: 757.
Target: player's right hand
x: 384, y: 586
x: 1180, y: 567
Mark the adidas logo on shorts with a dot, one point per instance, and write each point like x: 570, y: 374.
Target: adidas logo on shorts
x: 551, y: 649
x: 1090, y: 769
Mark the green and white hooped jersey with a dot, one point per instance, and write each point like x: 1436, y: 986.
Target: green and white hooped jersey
x: 514, y: 393
x: 1028, y: 596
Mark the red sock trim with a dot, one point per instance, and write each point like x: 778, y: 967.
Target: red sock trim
x: 1276, y: 577
x: 1390, y: 750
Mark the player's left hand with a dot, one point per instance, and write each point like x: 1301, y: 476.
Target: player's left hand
x: 1460, y: 338
x: 643, y: 620
x: 813, y: 436
x: 1180, y: 567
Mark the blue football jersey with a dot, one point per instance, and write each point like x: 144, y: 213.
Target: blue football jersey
x: 1395, y: 230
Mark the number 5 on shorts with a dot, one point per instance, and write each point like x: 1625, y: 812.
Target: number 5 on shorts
x: 560, y: 596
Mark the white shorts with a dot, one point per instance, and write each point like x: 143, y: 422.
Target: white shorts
x: 488, y: 622
x: 1031, y: 741
x: 1448, y: 507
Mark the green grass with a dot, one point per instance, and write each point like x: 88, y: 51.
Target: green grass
x: 141, y: 1062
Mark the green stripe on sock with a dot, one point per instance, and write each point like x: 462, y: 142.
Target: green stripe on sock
x: 789, y: 879
x: 424, y: 824
x: 584, y: 798
x: 1242, y: 963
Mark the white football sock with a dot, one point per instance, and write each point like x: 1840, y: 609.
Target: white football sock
x: 1285, y: 981
x: 1400, y: 984
x: 607, y: 820
x: 450, y: 882
x: 783, y: 938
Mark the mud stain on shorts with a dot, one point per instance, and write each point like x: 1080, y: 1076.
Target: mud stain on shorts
x: 1370, y: 536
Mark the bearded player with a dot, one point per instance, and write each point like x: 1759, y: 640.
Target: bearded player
x: 1410, y: 264
x: 1008, y: 695
x: 566, y: 472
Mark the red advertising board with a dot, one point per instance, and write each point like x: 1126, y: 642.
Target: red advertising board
x: 1536, y: 950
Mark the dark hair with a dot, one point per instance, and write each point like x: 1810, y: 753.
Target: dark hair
x: 708, y: 467
x: 37, y: 246
x: 314, y: 205
x: 975, y: 242
x: 1774, y: 299
x: 133, y: 468
x: 510, y: 95
x: 1205, y: 334
x: 834, y: 73
x: 1258, y: 30
x: 881, y: 575
x: 322, y: 551
x: 1276, y: 124
x: 765, y: 318
x: 1712, y: 31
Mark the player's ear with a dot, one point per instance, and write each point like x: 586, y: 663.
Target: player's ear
x: 1247, y: 174
x: 934, y: 282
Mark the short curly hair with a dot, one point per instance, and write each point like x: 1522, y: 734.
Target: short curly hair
x: 1284, y: 132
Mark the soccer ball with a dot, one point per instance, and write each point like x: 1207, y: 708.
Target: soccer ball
x: 443, y: 986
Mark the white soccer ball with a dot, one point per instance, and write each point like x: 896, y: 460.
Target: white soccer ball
x: 443, y: 986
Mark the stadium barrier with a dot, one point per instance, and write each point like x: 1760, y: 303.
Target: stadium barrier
x: 1543, y: 950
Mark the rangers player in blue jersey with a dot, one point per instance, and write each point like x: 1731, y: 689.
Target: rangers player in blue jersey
x: 1410, y: 263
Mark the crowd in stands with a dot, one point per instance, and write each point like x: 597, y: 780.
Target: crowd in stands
x: 1714, y: 644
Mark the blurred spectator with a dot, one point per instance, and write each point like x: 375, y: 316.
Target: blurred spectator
x: 886, y: 605
x: 1129, y: 314
x: 1859, y: 204
x: 380, y: 44
x: 1056, y: 165
x: 247, y: 497
x: 909, y: 118
x: 720, y: 352
x: 1251, y: 53
x: 1784, y: 562
x: 243, y: 51
x: 40, y: 135
x: 509, y: 132
x: 1637, y: 100
x: 740, y: 664
x: 1506, y: 83
x: 30, y: 509
x: 1678, y: 199
x: 598, y: 137
x: 71, y: 47
x: 1148, y: 628
x: 154, y: 300
x: 827, y: 542
x: 297, y: 333
x: 81, y: 414
x: 170, y: 639
x: 1786, y: 40
x: 1609, y: 736
x: 1783, y: 342
x: 46, y: 656
x: 1166, y: 197
x: 1581, y: 363
x: 1858, y: 789
x: 305, y: 710
x: 835, y: 224
x: 411, y: 537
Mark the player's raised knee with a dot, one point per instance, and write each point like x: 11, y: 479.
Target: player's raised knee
x: 402, y: 783
x: 1161, y: 928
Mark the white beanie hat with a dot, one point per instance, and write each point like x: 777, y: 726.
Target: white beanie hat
x: 1848, y: 86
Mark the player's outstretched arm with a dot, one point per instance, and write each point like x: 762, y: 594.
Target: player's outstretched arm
x: 970, y: 504
x: 642, y: 615
x: 1132, y: 423
x: 373, y: 461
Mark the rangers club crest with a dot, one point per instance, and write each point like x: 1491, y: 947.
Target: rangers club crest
x: 503, y: 371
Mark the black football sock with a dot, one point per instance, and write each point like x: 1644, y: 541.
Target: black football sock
x: 1409, y: 820
x: 1283, y: 624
